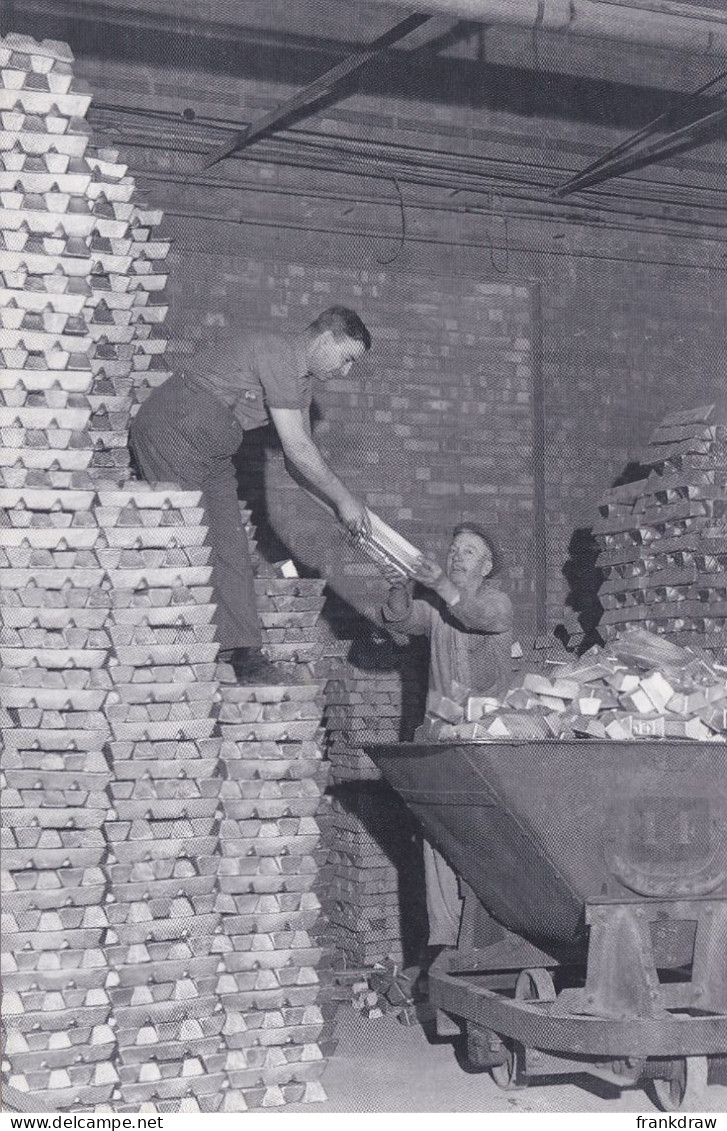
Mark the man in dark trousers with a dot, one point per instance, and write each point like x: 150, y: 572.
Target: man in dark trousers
x: 469, y: 620
x: 189, y: 430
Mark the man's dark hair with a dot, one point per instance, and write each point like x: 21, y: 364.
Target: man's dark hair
x: 489, y: 540
x: 343, y: 323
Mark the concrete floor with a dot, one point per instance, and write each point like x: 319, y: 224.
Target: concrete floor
x: 383, y: 1066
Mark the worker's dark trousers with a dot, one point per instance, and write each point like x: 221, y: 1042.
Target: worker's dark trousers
x: 182, y: 434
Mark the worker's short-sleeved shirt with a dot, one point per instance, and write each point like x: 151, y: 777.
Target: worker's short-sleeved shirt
x: 252, y: 373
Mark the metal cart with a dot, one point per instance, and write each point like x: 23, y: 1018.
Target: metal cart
x: 594, y: 930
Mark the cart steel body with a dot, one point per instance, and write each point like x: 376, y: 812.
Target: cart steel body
x: 594, y: 931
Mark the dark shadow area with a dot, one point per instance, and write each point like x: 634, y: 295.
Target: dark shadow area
x: 631, y: 474
x: 584, y: 578
x: 374, y: 652
x: 579, y: 632
x: 250, y: 464
x: 387, y: 820
x: 142, y: 39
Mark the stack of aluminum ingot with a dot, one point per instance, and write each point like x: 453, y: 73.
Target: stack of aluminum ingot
x: 92, y: 581
x: 54, y: 687
x: 369, y: 834
x: 163, y: 844
x: 664, y: 538
x: 363, y: 895
x: 360, y: 708
x: 374, y: 863
x: 125, y: 312
x: 289, y: 609
x: 111, y: 769
x: 272, y: 753
x: 55, y: 640
x: 78, y: 267
x: 45, y: 259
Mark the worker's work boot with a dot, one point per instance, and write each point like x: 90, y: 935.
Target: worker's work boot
x: 251, y: 666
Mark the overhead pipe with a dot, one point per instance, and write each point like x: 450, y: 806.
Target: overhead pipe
x: 666, y: 25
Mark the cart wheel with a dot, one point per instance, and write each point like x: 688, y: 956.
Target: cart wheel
x: 685, y: 1088
x: 507, y: 1074
x: 479, y: 1049
x: 535, y: 985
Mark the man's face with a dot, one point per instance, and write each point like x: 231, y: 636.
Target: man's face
x: 329, y: 354
x: 469, y: 560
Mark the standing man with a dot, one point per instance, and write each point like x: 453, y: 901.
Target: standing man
x: 468, y: 619
x: 189, y: 430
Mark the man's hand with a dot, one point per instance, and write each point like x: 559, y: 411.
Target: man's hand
x: 353, y: 515
x: 393, y: 575
x: 430, y: 573
x: 399, y: 598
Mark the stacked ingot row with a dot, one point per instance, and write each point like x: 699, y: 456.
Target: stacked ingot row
x: 664, y: 538
x: 55, y: 776
x: 124, y: 310
x: 75, y: 269
x: 275, y: 1019
x: 55, y: 640
x: 119, y: 994
x: 110, y: 763
x: 363, y: 895
x: 373, y: 859
x: 78, y: 266
x: 46, y: 258
x: 360, y: 708
x: 163, y: 844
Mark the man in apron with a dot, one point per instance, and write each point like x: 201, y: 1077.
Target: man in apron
x: 468, y: 619
x: 190, y: 428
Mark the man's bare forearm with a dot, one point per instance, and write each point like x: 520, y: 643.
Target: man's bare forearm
x: 308, y: 462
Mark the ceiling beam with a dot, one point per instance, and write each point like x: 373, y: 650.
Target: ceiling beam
x: 672, y: 26
x: 678, y: 141
x: 316, y: 90
x: 638, y: 150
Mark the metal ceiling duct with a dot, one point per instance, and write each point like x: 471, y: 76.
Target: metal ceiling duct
x: 665, y: 24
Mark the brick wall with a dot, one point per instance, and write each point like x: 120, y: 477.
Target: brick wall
x: 432, y: 427
x: 624, y: 345
x: 630, y: 318
x: 437, y: 422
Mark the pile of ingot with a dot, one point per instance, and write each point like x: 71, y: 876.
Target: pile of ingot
x: 360, y: 708
x: 368, y: 831
x: 55, y: 775
x: 123, y: 990
x: 54, y: 640
x: 371, y: 863
x: 269, y: 837
x: 78, y: 335
x: 663, y: 538
x: 163, y: 845
x: 641, y: 686
x: 386, y: 989
x: 289, y: 610
x: 272, y: 757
